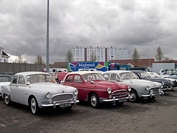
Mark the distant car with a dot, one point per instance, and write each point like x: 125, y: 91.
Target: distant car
x: 10, y: 74
x: 144, y: 75
x: 155, y: 75
x: 36, y: 90
x: 139, y: 88
x: 93, y: 87
x: 4, y: 80
x: 173, y: 75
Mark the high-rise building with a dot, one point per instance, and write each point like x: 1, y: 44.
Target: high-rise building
x: 78, y: 53
x: 123, y: 53
x: 101, y: 53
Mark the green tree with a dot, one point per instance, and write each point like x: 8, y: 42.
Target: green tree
x: 39, y: 60
x: 159, y: 56
x: 135, y: 56
x: 93, y: 57
x: 69, y: 56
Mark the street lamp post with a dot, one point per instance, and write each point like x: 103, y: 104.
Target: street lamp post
x: 47, y: 40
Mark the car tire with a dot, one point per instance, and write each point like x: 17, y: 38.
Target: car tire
x: 7, y: 99
x: 134, y: 95
x: 94, y: 100
x: 68, y: 108
x: 34, y: 106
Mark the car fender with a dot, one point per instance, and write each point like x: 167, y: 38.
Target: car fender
x: 5, y: 90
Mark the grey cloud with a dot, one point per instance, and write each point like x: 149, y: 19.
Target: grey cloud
x: 123, y: 24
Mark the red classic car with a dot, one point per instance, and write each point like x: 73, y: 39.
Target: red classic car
x: 94, y: 88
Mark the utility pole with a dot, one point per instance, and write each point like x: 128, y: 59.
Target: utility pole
x: 47, y: 41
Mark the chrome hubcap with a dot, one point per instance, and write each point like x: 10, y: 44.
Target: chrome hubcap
x: 93, y: 101
x: 7, y: 99
x: 33, y: 105
x: 133, y: 96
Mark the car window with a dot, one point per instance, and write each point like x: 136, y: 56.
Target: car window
x: 14, y: 81
x: 106, y: 76
x: 69, y: 78
x: 38, y: 78
x: 77, y: 78
x: 113, y: 76
x: 21, y: 80
x: 4, y: 79
x: 93, y: 76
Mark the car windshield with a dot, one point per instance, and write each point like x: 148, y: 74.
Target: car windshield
x: 128, y: 75
x: 144, y: 74
x: 153, y: 74
x: 38, y: 78
x: 4, y: 79
x: 93, y: 76
x: 174, y: 73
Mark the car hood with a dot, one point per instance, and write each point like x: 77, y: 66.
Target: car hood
x: 156, y: 79
x: 110, y: 84
x: 4, y: 83
x: 52, y: 87
x: 141, y: 82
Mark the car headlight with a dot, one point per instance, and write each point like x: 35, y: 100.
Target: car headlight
x: 109, y: 90
x: 75, y: 92
x: 129, y: 88
x: 161, y: 86
x: 171, y: 82
x: 162, y: 82
x: 147, y: 88
x: 49, y: 95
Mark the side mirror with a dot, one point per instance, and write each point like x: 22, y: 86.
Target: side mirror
x: 61, y: 82
x: 118, y: 80
x: 28, y: 83
x: 91, y: 82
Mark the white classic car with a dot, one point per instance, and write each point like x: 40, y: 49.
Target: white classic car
x: 139, y: 88
x: 4, y: 80
x: 36, y: 90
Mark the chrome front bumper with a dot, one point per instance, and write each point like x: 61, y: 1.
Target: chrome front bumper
x: 54, y: 104
x: 152, y: 95
x: 124, y: 99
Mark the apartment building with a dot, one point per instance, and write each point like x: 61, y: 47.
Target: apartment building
x: 101, y: 53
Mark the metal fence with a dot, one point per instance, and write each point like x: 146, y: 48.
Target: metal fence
x: 22, y: 67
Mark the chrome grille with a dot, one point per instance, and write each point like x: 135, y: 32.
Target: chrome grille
x: 62, y: 97
x: 155, y: 90
x: 120, y: 93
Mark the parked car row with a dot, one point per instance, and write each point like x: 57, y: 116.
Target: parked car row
x: 37, y: 89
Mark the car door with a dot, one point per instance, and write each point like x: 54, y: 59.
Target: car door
x: 17, y: 90
x: 80, y: 85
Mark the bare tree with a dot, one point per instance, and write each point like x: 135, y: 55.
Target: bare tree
x: 135, y: 56
x: 93, y: 57
x: 39, y: 60
x: 69, y: 56
x: 159, y: 56
x: 19, y: 59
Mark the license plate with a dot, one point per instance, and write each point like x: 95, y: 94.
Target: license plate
x: 65, y: 105
x: 122, y: 100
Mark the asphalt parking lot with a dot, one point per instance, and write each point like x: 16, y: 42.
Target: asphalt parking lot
x: 158, y: 116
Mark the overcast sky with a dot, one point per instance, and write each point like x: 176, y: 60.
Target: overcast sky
x: 141, y: 24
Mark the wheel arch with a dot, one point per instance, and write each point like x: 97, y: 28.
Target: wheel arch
x: 89, y: 95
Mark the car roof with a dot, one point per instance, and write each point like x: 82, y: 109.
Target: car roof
x: 2, y: 75
x: 30, y: 73
x: 83, y: 72
x: 117, y: 71
x: 137, y: 71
